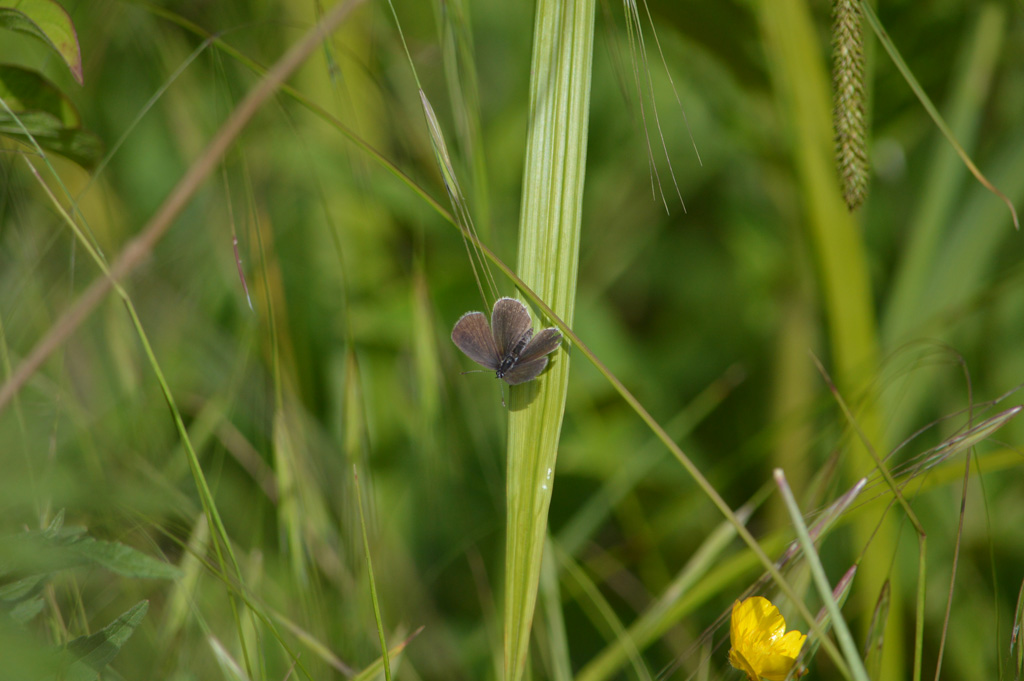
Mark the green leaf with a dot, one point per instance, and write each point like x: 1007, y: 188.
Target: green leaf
x: 122, y: 559
x: 25, y: 611
x: 20, y: 589
x: 47, y: 21
x: 25, y: 556
x: 32, y: 97
x: 95, y: 652
x: 38, y: 106
x: 550, y: 222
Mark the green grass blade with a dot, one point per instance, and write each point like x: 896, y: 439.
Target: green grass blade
x: 555, y: 638
x: 1016, y: 647
x: 604, y: 615
x: 912, y: 298
x: 664, y: 612
x: 457, y: 52
x: 802, y: 83
x: 369, y: 572
x: 940, y: 123
x: 549, y: 231
x: 825, y: 591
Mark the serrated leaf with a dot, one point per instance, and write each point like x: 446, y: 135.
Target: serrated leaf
x: 20, y: 589
x: 124, y: 560
x: 48, y: 115
x: 47, y: 21
x: 40, y: 553
x: 25, y: 611
x: 93, y: 653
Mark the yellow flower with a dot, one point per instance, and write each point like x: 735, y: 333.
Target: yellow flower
x: 760, y: 645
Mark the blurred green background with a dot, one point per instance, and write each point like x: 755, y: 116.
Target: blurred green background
x: 709, y: 315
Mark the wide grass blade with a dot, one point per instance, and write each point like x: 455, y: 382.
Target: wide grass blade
x: 801, y: 80
x: 549, y: 230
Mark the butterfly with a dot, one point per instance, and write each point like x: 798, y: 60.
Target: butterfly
x: 508, y: 347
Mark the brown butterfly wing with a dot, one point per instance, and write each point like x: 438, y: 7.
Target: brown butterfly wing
x: 510, y: 321
x: 533, y: 358
x: 523, y: 372
x: 472, y: 335
x: 546, y: 341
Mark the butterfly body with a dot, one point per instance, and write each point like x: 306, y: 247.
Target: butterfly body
x: 508, y: 347
x: 512, y: 358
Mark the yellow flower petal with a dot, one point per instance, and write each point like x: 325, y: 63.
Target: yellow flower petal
x: 761, y: 648
x: 737, y: 660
